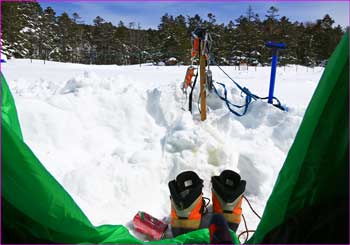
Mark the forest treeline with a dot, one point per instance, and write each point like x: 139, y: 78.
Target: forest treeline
x: 29, y: 31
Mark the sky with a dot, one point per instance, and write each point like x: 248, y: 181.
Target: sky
x: 148, y: 14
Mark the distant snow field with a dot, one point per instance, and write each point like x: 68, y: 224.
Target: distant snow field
x: 114, y: 136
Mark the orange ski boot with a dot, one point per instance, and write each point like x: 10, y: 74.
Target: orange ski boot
x: 187, y: 202
x: 227, y: 192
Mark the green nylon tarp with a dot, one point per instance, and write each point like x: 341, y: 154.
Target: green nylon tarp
x: 36, y: 208
x: 316, y: 168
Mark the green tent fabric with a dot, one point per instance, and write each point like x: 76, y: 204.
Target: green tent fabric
x: 8, y: 110
x: 37, y: 209
x: 316, y: 168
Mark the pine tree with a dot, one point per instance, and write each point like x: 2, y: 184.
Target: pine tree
x: 326, y: 38
x: 77, y: 42
x: 65, y: 46
x: 21, y: 29
x: 170, y: 45
x: 31, y: 32
x: 271, y: 29
x: 49, y: 33
x: 285, y: 27
x: 12, y: 39
x: 182, y: 38
x: 249, y: 36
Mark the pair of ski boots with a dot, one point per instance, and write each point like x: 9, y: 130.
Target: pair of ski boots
x: 188, y: 205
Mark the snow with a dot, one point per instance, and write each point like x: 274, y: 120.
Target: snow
x: 114, y: 136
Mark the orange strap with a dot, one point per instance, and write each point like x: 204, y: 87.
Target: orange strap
x: 188, y: 77
x: 195, y: 48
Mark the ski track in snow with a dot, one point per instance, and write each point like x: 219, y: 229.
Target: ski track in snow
x: 114, y: 136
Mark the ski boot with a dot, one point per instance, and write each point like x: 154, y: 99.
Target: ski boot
x: 187, y: 204
x: 227, y: 192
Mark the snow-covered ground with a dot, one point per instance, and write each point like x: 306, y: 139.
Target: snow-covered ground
x: 114, y: 136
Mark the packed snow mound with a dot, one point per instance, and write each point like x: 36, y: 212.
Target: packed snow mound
x: 114, y: 136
